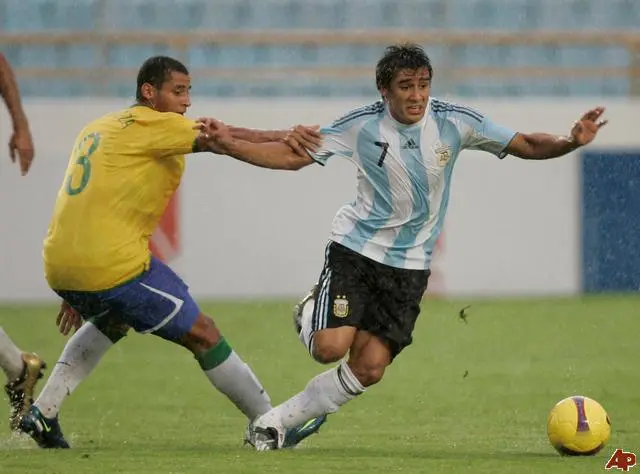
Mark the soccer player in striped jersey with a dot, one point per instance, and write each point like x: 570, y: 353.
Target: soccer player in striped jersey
x: 362, y: 312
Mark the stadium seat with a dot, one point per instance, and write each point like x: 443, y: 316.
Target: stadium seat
x: 183, y: 15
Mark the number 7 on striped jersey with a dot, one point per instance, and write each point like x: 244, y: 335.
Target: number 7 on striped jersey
x: 383, y: 155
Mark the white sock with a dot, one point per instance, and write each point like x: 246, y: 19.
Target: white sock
x: 324, y: 394
x: 79, y: 357
x: 306, y: 334
x: 236, y: 380
x: 10, y: 357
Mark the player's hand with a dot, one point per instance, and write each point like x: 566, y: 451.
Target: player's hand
x: 215, y: 134
x: 21, y: 145
x: 301, y: 138
x: 586, y: 129
x: 68, y: 319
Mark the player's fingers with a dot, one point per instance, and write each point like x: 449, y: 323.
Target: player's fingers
x: 602, y: 123
x: 295, y: 146
x: 209, y: 122
x: 59, y: 318
x: 26, y: 158
x: 204, y: 125
x: 593, y: 114
x: 310, y: 130
x: 73, y: 323
x: 589, y: 114
x: 218, y: 124
x: 291, y: 141
x: 72, y: 320
x: 297, y: 137
x: 310, y: 143
x: 312, y: 136
x: 12, y: 152
x: 64, y: 326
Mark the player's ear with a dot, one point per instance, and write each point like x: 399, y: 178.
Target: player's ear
x: 148, y: 91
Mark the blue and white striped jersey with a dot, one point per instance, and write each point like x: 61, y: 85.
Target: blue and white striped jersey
x: 404, y: 176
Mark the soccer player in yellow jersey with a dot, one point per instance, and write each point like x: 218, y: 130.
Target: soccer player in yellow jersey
x: 123, y: 169
x: 23, y: 369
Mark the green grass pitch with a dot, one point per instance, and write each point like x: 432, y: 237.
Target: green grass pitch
x: 465, y: 397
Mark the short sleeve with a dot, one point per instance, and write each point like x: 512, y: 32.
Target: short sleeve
x: 172, y: 134
x: 336, y: 141
x: 486, y: 135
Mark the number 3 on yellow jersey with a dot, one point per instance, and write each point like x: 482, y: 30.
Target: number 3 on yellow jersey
x: 83, y: 152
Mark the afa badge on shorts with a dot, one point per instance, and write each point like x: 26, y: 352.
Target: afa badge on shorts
x: 341, y: 307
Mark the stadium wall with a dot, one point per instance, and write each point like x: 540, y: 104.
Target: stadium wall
x: 514, y: 227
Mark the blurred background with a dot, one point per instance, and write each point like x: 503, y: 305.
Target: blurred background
x: 565, y: 226
x: 326, y: 48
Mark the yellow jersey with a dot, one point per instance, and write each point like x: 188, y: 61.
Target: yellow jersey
x: 122, y: 171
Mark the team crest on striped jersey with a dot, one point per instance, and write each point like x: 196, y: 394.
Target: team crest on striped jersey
x: 341, y: 307
x: 443, y: 152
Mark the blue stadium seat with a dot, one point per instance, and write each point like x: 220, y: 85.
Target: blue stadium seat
x: 13, y: 53
x: 319, y: 14
x: 623, y: 14
x: 132, y: 56
x: 365, y: 14
x: 77, y: 56
x: 570, y: 14
x: 38, y: 56
x: 73, y: 15
x: 209, y: 15
x: 55, y: 88
x: 533, y: 56
x: 22, y: 16
x: 220, y: 16
x: 423, y: 14
x: 472, y: 14
x: 184, y: 15
x: 481, y: 56
x: 338, y: 55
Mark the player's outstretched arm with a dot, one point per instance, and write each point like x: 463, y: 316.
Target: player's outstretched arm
x: 303, y: 135
x: 542, y: 146
x: 257, y: 136
x: 217, y: 137
x: 21, y: 142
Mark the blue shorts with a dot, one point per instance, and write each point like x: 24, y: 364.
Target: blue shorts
x: 157, y: 302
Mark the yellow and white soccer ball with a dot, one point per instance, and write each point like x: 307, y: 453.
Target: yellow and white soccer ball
x: 578, y: 426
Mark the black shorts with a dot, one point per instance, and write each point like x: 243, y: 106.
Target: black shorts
x: 354, y: 290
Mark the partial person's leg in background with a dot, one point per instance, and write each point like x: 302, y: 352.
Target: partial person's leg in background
x: 22, y: 370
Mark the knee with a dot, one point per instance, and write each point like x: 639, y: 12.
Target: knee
x: 368, y: 374
x: 327, y: 352
x: 114, y: 330
x: 204, y: 334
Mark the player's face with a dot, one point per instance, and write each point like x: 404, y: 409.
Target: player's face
x: 174, y: 94
x: 408, y: 95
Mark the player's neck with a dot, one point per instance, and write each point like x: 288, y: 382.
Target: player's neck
x: 402, y: 125
x: 142, y: 103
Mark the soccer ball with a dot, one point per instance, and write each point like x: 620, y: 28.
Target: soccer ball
x: 578, y: 426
